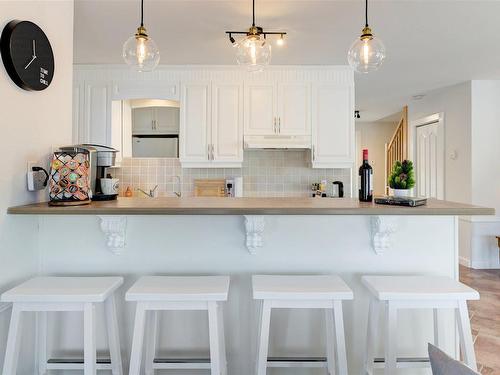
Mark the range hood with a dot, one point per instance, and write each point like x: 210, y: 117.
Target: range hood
x: 277, y: 142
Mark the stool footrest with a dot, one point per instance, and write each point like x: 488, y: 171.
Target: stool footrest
x: 404, y: 362
x: 181, y: 363
x: 304, y: 362
x: 76, y: 364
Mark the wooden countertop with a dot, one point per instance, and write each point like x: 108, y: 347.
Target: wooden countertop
x: 248, y: 206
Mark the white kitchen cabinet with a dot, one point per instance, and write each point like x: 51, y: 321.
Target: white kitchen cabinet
x: 195, y: 123
x: 227, y: 123
x: 95, y: 125
x: 294, y: 109
x: 143, y: 120
x: 260, y: 108
x: 211, y: 125
x: 155, y: 120
x: 167, y: 120
x: 277, y: 108
x: 332, y: 126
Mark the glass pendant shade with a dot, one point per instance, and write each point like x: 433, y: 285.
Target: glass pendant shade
x: 366, y: 54
x: 253, y: 52
x: 141, y: 53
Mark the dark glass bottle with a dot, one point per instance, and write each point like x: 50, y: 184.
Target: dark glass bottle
x: 365, y: 180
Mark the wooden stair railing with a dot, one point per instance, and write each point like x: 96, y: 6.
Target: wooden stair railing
x: 397, y: 148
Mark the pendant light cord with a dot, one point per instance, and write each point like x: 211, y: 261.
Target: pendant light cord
x: 142, y: 12
x: 253, y: 13
x: 366, y: 13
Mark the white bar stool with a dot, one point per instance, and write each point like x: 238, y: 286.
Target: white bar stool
x: 303, y: 292
x: 44, y: 294
x: 162, y: 293
x: 415, y: 292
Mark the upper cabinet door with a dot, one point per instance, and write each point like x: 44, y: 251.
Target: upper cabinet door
x: 227, y: 122
x: 194, y: 122
x: 332, y: 126
x: 97, y: 114
x: 294, y: 109
x: 143, y: 120
x: 260, y: 108
x: 167, y: 120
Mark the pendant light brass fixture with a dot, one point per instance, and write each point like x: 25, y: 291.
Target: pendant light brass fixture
x: 253, y: 50
x: 367, y: 52
x: 140, y: 52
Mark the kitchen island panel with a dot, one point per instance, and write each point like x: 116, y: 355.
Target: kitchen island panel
x: 192, y: 245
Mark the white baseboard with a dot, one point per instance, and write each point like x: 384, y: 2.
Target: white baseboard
x: 464, y: 261
x: 484, y: 265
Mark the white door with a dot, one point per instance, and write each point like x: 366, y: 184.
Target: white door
x: 227, y: 122
x: 294, y: 109
x: 429, y: 161
x: 143, y: 120
x: 260, y: 109
x: 194, y: 122
x: 332, y: 126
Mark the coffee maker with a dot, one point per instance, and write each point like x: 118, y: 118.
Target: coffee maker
x: 100, y: 158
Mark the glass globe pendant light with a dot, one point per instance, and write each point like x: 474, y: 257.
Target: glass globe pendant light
x: 367, y: 52
x: 253, y: 50
x: 140, y: 52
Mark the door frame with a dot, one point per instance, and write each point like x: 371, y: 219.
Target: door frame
x: 436, y: 118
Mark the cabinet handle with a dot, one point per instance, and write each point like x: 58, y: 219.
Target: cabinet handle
x: 279, y: 125
x: 213, y: 152
x: 313, y: 153
x: 275, y: 124
x: 208, y: 152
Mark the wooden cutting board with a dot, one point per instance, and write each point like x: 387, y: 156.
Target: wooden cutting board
x: 209, y: 188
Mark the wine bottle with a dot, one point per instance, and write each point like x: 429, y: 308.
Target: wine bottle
x: 365, y: 179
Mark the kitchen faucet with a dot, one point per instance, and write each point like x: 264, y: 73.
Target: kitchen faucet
x: 151, y: 193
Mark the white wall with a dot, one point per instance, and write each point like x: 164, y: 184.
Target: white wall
x: 472, y: 131
x: 374, y: 136
x: 31, y: 123
x: 455, y: 103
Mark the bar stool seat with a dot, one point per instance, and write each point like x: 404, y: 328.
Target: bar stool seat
x: 45, y: 294
x: 154, y: 294
x: 303, y: 291
x: 415, y: 292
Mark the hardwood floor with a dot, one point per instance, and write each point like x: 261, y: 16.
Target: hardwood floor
x: 485, y: 317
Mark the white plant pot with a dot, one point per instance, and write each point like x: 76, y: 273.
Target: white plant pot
x: 400, y: 193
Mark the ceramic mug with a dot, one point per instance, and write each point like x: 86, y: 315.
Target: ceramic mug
x: 109, y: 186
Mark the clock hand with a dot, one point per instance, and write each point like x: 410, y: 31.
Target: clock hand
x: 32, y: 59
x: 34, y: 48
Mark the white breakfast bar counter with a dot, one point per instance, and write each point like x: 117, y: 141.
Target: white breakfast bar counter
x: 244, y: 236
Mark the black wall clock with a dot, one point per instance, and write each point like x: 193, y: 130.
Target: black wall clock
x: 27, y: 55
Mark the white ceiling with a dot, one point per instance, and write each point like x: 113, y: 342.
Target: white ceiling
x: 430, y: 44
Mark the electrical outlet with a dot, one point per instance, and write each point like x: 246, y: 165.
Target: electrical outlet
x: 37, y: 179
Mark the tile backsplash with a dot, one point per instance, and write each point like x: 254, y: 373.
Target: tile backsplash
x: 266, y: 173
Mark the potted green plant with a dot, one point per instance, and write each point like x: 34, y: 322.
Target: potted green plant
x: 402, y: 178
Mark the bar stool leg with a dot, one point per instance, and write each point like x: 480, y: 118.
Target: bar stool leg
x: 113, y: 336
x: 151, y: 338
x: 41, y: 325
x: 265, y: 320
x: 89, y: 344
x: 222, y: 346
x: 13, y: 342
x: 371, y: 335
x: 464, y: 331
x: 339, y: 338
x: 138, y: 340
x: 390, y: 339
x: 214, y: 333
x: 330, y: 341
